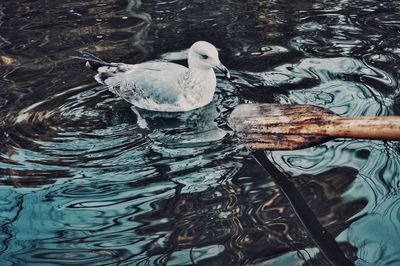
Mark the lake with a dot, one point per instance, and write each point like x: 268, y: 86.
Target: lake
x: 82, y: 183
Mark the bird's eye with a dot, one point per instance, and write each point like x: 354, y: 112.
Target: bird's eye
x: 204, y: 56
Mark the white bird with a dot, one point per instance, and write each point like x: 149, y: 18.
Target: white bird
x: 163, y: 86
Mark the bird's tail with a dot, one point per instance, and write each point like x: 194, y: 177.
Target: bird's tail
x: 92, y: 61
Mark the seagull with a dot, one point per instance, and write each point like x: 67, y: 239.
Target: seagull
x: 163, y: 86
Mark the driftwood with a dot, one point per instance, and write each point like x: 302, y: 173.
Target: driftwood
x: 288, y: 127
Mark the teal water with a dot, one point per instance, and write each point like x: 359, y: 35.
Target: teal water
x: 81, y: 183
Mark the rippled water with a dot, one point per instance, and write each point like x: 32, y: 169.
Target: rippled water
x: 81, y: 183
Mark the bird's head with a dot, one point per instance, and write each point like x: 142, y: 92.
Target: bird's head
x: 204, y: 55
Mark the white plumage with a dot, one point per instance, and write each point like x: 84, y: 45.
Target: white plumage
x: 163, y: 86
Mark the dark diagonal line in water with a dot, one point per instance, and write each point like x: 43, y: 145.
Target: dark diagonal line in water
x: 321, y: 237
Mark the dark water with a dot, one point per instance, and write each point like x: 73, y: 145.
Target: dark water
x: 81, y: 183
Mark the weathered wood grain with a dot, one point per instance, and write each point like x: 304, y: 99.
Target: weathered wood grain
x: 287, y: 127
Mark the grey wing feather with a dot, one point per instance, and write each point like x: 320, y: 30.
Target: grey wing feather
x: 158, y: 81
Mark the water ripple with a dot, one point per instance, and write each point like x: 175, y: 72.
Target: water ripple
x: 80, y: 182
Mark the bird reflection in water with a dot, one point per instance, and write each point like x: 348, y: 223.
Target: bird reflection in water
x: 182, y: 128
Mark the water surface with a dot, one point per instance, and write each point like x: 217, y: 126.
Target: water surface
x: 81, y: 183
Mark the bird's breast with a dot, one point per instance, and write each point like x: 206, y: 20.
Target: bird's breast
x: 200, y: 88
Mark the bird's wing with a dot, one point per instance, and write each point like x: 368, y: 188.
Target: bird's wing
x: 156, y: 81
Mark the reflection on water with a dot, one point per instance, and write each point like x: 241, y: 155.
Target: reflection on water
x: 81, y: 182
x: 140, y: 39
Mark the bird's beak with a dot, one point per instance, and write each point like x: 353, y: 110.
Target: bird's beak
x: 223, y: 70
